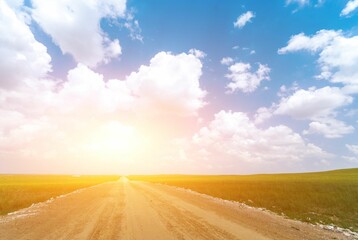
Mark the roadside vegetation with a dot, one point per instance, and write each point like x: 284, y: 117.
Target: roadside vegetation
x: 324, y: 197
x: 20, y: 191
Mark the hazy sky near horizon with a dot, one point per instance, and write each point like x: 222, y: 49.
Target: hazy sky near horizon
x: 199, y: 86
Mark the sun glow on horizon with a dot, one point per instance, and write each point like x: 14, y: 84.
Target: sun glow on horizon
x: 113, y: 138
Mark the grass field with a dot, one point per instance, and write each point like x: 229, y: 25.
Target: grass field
x: 20, y: 191
x: 325, y: 197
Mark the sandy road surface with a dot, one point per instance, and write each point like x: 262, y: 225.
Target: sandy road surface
x: 137, y: 210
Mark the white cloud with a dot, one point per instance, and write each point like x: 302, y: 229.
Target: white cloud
x: 231, y: 135
x: 350, y: 159
x: 320, y: 3
x: 170, y: 83
x: 313, y: 103
x: 299, y: 2
x: 315, y: 43
x: 302, y: 3
x: 132, y: 25
x: 243, y: 79
x: 338, y: 56
x: 330, y: 128
x: 226, y: 61
x: 286, y: 91
x: 22, y: 57
x: 262, y: 114
x: 197, y: 53
x: 87, y: 119
x: 243, y: 19
x: 75, y: 27
x: 10, y: 119
x: 15, y: 5
x: 350, y: 7
x: 318, y: 105
x: 338, y: 62
x: 43, y: 118
x: 87, y: 93
x: 352, y: 148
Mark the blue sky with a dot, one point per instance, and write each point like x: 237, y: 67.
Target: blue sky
x: 166, y: 56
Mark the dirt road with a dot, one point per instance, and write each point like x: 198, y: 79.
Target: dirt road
x: 137, y: 210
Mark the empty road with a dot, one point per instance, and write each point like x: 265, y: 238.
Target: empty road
x: 137, y: 210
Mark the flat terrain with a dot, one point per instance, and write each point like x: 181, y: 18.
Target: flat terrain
x: 138, y: 210
x: 20, y: 191
x: 324, y: 197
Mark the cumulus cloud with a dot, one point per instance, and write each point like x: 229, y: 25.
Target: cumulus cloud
x: 226, y: 61
x: 338, y: 55
x: 338, y: 62
x: 330, y: 128
x: 88, y: 118
x: 232, y: 135
x: 75, y: 27
x: 315, y: 43
x: 22, y: 57
x: 169, y: 83
x: 243, y: 19
x: 14, y: 3
x: 313, y: 103
x: 86, y: 91
x: 351, y: 6
x: 352, y: 148
x: 243, y: 79
x: 318, y: 105
x: 197, y: 53
x: 262, y: 114
x: 55, y: 122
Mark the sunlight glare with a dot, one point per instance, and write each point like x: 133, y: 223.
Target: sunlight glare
x: 113, y: 138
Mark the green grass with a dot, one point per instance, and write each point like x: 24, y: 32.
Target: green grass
x: 325, y: 197
x: 20, y: 191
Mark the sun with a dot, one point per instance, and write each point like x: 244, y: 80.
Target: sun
x: 113, y: 138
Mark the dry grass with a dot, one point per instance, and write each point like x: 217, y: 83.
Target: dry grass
x: 20, y: 191
x: 326, y: 197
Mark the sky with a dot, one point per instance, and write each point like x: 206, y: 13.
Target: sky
x: 181, y: 86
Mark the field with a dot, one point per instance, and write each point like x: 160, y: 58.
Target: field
x: 20, y: 191
x: 325, y: 197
